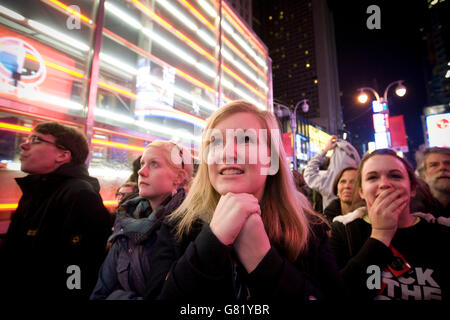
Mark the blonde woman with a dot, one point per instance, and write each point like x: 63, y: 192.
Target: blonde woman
x: 242, y: 233
x: 161, y: 180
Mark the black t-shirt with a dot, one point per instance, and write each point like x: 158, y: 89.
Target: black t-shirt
x: 424, y: 246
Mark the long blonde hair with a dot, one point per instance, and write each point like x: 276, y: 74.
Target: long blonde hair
x: 285, y: 219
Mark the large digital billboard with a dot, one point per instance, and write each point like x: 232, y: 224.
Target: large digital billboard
x: 438, y: 128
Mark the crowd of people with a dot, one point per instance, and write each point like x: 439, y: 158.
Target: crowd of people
x: 243, y: 227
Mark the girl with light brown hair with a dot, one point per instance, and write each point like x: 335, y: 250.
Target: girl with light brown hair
x: 243, y: 232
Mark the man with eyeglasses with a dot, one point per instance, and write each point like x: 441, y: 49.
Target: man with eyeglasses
x: 435, y: 171
x: 57, y: 237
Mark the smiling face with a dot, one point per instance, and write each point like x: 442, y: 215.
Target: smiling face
x: 156, y: 178
x: 382, y: 172
x: 345, y: 185
x: 233, y: 155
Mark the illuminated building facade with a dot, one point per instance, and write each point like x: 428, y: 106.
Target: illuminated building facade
x: 124, y: 72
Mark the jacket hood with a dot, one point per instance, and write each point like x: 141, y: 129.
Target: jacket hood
x: 344, y: 155
x: 351, y: 216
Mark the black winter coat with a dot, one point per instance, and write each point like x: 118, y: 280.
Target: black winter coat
x: 60, y: 222
x: 333, y: 210
x: 200, y: 268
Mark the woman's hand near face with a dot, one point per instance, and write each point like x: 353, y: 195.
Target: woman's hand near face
x: 384, y: 213
x: 252, y: 243
x: 331, y: 144
x: 230, y: 215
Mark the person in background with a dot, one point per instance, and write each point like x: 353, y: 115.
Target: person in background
x: 241, y: 234
x: 126, y: 270
x: 56, y: 241
x: 435, y: 171
x: 344, y: 155
x: 300, y: 183
x: 136, y: 166
x: 383, y: 250
x: 343, y: 187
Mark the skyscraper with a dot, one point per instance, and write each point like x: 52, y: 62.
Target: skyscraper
x: 244, y: 9
x: 436, y: 33
x: 300, y: 38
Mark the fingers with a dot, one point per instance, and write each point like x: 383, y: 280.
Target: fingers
x: 389, y: 196
x: 231, y: 213
x: 386, y: 208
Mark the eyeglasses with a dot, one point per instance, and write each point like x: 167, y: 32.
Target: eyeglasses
x: 34, y: 139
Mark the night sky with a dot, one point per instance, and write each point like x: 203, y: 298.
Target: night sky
x: 374, y: 58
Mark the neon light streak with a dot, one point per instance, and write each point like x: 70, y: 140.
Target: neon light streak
x: 123, y: 16
x: 235, y: 20
x: 109, y: 203
x: 178, y: 14
x: 152, y: 15
x: 116, y: 145
x: 8, y: 206
x: 12, y: 206
x: 242, y: 43
x: 14, y: 128
x: 159, y: 61
x: 56, y: 66
x: 70, y: 11
x: 181, y: 36
x: 207, y: 7
x: 243, y: 56
x: 58, y: 35
x: 116, y: 89
x: 214, y: 15
x: 244, y: 82
x: 11, y: 13
x: 198, y: 15
x: 192, y: 79
x: 176, y: 114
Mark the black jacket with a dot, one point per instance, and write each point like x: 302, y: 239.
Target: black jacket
x: 124, y: 273
x: 333, y: 210
x: 60, y: 221
x: 423, y: 245
x: 200, y: 268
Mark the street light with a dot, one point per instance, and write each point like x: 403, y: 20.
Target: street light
x: 400, y: 90
x: 293, y: 123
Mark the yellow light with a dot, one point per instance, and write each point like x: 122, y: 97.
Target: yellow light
x: 13, y: 127
x: 56, y: 66
x: 110, y: 203
x: 8, y: 206
x: 70, y: 10
x: 116, y: 145
x: 362, y: 98
x: 12, y: 206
